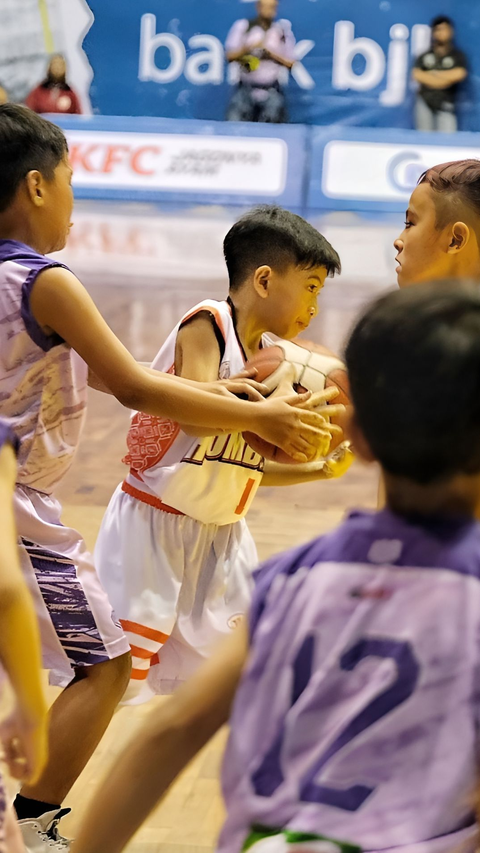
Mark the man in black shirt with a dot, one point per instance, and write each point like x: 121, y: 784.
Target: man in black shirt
x: 438, y: 71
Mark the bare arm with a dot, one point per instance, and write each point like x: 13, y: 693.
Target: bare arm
x: 439, y: 79
x: 170, y: 738
x: 197, y: 357
x: 19, y: 642
x: 280, y: 60
x: 61, y: 304
x: 235, y: 55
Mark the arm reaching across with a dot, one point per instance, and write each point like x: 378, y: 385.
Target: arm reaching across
x: 172, y: 735
x: 61, y: 304
x: 24, y: 732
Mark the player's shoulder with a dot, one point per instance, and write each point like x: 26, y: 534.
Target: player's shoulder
x: 21, y: 254
x: 444, y: 542
x: 441, y: 544
x: 214, y: 310
x: 22, y: 263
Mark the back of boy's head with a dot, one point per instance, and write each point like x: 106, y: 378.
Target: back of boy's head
x: 269, y: 235
x: 456, y: 190
x: 27, y: 142
x: 413, y: 360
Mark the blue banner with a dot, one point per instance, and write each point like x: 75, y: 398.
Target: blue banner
x: 165, y: 58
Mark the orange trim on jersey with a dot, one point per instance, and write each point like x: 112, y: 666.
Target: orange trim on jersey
x: 155, y: 659
x: 211, y: 310
x: 139, y: 674
x: 143, y: 631
x: 138, y: 652
x: 246, y: 494
x: 151, y: 500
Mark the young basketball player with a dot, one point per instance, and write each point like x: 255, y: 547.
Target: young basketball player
x: 23, y: 733
x: 174, y: 552
x: 52, y: 335
x: 442, y: 228
x: 355, y: 722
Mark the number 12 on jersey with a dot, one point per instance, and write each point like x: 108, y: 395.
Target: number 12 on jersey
x: 269, y: 775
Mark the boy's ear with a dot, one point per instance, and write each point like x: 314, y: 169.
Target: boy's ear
x: 35, y: 183
x: 354, y: 434
x: 460, y: 235
x: 261, y: 280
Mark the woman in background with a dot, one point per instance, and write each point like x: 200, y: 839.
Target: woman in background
x: 54, y: 95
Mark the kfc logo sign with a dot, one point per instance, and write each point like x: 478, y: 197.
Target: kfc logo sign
x: 99, y: 158
x: 178, y: 162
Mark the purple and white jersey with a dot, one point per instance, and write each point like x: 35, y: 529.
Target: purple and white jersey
x: 43, y: 382
x: 357, y: 717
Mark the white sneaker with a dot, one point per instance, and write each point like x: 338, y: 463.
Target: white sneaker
x: 40, y: 834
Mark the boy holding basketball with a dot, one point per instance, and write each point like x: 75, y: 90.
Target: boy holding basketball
x: 174, y: 551
x: 442, y: 226
x: 53, y: 342
x: 355, y: 690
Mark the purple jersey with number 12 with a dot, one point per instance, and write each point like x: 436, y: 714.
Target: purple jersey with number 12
x: 356, y: 719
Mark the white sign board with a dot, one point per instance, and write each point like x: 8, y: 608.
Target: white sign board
x: 381, y: 171
x: 178, y: 162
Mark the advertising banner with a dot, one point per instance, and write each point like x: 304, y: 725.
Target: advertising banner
x: 353, y: 60
x: 357, y: 169
x: 186, y: 161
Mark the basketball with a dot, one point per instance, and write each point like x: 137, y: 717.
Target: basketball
x: 315, y: 368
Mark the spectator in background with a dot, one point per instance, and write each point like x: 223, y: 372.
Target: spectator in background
x: 54, y: 95
x: 438, y: 71
x: 263, y: 48
x: 4, y: 99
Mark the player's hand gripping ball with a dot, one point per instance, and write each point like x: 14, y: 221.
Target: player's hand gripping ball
x: 315, y: 368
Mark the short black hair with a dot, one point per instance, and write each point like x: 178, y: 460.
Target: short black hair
x: 27, y: 142
x: 270, y: 235
x: 413, y: 360
x: 442, y: 19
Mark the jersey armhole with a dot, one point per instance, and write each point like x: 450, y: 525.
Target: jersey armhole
x: 34, y: 330
x: 216, y: 328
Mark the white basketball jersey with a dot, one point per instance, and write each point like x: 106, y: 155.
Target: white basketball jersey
x: 213, y: 480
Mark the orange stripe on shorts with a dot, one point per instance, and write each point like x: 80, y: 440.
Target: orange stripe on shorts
x: 138, y: 652
x: 139, y: 674
x: 143, y: 631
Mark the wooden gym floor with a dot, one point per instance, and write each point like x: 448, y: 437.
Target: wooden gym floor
x: 144, y: 268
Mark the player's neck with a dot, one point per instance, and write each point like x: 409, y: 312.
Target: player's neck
x: 14, y: 225
x: 458, y: 496
x: 248, y: 326
x: 467, y: 266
